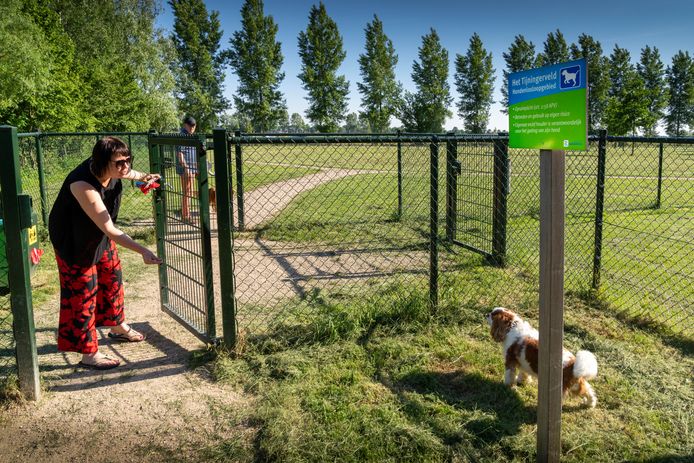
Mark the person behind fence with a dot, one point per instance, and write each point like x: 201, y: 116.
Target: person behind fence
x: 83, y: 232
x: 187, y: 167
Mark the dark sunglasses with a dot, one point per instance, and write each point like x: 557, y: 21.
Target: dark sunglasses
x: 121, y: 162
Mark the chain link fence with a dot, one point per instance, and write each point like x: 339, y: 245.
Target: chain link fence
x: 333, y: 219
x: 8, y: 366
x: 339, y: 217
x: 326, y: 219
x: 648, y: 230
x: 47, y: 159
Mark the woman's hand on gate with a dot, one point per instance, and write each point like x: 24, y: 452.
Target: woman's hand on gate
x: 150, y: 258
x: 150, y: 178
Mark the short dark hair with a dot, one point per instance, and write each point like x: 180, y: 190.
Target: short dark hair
x: 190, y: 120
x: 104, y: 150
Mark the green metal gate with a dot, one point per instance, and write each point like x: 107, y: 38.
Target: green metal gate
x: 184, y: 245
x: 477, y: 178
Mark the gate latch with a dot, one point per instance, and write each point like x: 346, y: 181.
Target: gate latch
x: 457, y: 167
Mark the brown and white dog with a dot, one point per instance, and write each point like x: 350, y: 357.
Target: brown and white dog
x: 520, y: 341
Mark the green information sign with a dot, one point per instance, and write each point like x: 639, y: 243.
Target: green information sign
x: 547, y: 107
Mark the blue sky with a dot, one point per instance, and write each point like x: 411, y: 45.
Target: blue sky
x: 665, y: 24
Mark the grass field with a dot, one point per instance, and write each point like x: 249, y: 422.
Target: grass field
x: 384, y: 378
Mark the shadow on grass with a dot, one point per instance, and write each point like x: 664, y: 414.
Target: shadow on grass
x: 503, y: 411
x: 669, y: 459
x: 679, y: 341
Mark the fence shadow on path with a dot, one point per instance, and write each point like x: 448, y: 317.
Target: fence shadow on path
x: 156, y: 357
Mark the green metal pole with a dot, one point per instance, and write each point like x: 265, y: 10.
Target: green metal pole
x: 599, y: 208
x: 399, y: 177
x: 660, y: 175
x: 156, y: 165
x: 17, y: 217
x: 501, y: 190
x: 206, y: 236
x: 451, y: 184
x: 225, y: 224
x: 239, y: 179
x: 42, y: 180
x: 434, y: 224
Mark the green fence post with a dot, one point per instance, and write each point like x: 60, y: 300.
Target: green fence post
x: 660, y: 175
x: 434, y: 224
x: 132, y: 157
x: 225, y: 223
x: 17, y: 218
x: 451, y: 185
x: 501, y: 182
x: 599, y: 208
x: 206, y: 234
x: 239, y: 179
x: 156, y: 164
x: 399, y: 176
x: 42, y: 180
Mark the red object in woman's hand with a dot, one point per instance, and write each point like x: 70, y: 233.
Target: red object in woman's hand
x: 145, y: 187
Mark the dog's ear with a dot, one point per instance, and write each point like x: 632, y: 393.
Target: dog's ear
x: 501, y: 324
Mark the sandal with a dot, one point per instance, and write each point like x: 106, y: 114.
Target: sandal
x: 103, y: 363
x: 129, y: 336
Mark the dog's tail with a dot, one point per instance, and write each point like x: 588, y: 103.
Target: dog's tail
x: 586, y: 365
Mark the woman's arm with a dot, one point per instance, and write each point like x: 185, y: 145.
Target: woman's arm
x: 91, y: 203
x: 141, y: 176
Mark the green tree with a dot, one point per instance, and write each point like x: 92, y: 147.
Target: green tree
x: 297, y: 124
x: 680, y: 107
x: 355, y: 124
x: 24, y: 62
x: 555, y: 51
x: 474, y: 79
x: 199, y: 67
x: 107, y: 65
x: 620, y: 66
x: 256, y: 58
x: 598, y: 78
x: 112, y: 97
x: 520, y: 57
x: 427, y: 110
x: 320, y: 49
x: 151, y: 55
x: 380, y: 91
x: 627, y: 107
x: 652, y: 71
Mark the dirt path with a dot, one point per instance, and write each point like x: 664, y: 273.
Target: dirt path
x: 267, y: 201
x: 153, y: 407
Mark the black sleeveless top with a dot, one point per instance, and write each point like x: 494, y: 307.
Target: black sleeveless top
x: 75, y: 237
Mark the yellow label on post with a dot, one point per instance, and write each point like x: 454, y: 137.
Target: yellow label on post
x: 32, y: 235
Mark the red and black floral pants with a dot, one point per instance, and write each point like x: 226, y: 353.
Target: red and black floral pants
x: 89, y: 297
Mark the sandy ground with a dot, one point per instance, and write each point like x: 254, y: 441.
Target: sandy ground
x: 267, y: 201
x: 151, y: 408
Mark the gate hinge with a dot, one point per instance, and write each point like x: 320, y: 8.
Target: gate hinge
x: 457, y: 167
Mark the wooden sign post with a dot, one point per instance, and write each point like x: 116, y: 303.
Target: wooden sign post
x: 549, y: 396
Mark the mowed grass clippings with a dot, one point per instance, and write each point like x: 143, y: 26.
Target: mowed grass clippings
x: 385, y: 378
